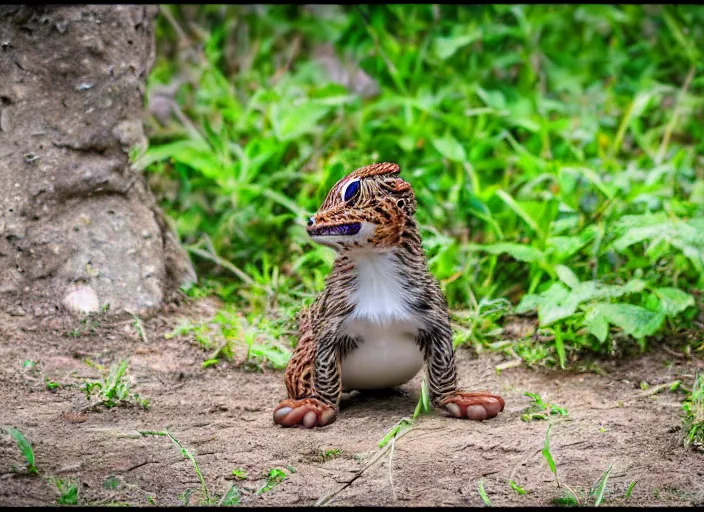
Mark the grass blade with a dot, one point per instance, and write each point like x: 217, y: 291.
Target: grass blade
x: 25, y: 447
x: 602, y: 485
x: 483, y: 494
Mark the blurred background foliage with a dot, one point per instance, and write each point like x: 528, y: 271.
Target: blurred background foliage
x: 556, y: 152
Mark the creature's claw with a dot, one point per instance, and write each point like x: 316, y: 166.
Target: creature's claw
x: 473, y: 406
x: 307, y: 412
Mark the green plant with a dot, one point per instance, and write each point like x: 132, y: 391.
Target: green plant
x: 600, y: 488
x: 482, y: 493
x: 274, y: 478
x: 26, y: 449
x: 111, y: 390
x: 627, y: 495
x: 519, y: 490
x: 568, y: 187
x: 693, y: 408
x: 68, y: 491
x: 404, y: 424
x: 326, y: 455
x: 207, y: 498
x: 540, y: 410
x: 239, y: 474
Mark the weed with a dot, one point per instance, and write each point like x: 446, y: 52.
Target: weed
x: 68, y: 491
x: 519, y: 490
x: 185, y: 497
x: 111, y: 390
x: 693, y: 408
x: 26, y: 449
x: 601, y: 486
x: 627, y: 495
x: 330, y: 454
x: 540, y: 410
x: 274, y: 478
x: 231, y: 497
x: 482, y: 493
x: 139, y: 327
x: 405, y: 424
x: 112, y: 483
x: 252, y: 341
x: 33, y: 372
x: 239, y: 474
x: 547, y: 454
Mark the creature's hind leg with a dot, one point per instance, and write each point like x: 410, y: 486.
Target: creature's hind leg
x: 306, y: 405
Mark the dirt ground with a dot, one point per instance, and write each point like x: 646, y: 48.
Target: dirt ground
x: 224, y: 417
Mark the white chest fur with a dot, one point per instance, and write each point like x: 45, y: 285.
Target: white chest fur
x: 387, y: 354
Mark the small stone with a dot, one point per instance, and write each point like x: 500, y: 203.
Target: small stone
x: 81, y: 298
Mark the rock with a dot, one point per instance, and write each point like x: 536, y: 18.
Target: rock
x: 81, y: 299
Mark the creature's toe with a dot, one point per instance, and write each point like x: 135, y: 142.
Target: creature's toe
x: 473, y: 406
x: 307, y: 413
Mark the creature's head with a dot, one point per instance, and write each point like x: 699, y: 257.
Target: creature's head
x: 367, y: 209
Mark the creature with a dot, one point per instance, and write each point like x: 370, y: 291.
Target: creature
x: 382, y: 314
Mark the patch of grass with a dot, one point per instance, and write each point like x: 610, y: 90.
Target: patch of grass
x: 541, y: 410
x: 329, y: 454
x: 569, y: 188
x: 239, y: 474
x: 252, y: 342
x: 693, y: 408
x: 112, y: 483
x: 33, y: 372
x: 68, y: 491
x: 111, y: 390
x: 26, y: 449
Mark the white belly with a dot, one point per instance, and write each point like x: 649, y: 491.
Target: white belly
x: 388, y: 356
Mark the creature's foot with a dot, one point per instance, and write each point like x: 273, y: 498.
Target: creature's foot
x: 474, y: 406
x: 308, y: 412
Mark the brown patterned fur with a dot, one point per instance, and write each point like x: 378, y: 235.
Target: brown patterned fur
x: 384, y: 207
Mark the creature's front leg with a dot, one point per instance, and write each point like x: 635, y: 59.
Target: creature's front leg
x: 436, y: 343
x: 313, y: 379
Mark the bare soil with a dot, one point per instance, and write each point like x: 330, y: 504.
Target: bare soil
x: 223, y: 415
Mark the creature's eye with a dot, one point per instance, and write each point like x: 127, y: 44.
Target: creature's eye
x: 350, y: 190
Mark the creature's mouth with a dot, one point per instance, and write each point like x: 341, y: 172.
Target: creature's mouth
x: 341, y: 229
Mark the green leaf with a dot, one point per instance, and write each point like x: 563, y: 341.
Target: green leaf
x: 520, y: 490
x: 292, y: 122
x: 546, y: 452
x: 483, y: 494
x: 559, y: 345
x: 568, y: 277
x: 446, y: 47
x: 633, y: 320
x: 25, y: 447
x: 596, y: 324
x: 450, y: 148
x: 518, y: 210
x: 517, y: 251
x: 673, y: 300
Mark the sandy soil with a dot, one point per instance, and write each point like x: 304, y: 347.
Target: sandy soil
x: 223, y: 416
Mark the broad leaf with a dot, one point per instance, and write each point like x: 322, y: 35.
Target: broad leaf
x: 673, y: 300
